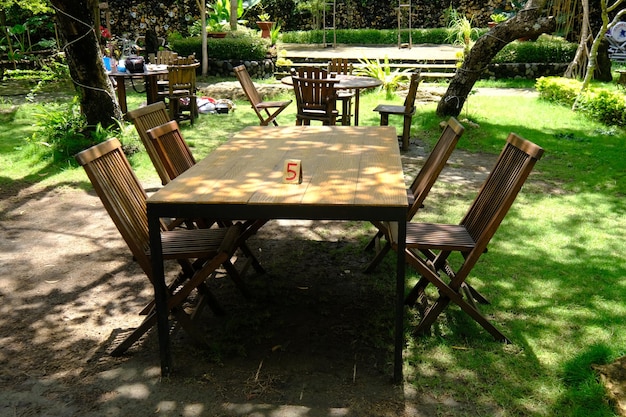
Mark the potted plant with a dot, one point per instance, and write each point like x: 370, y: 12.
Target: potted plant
x: 215, y: 29
x: 265, y: 25
x: 497, y: 18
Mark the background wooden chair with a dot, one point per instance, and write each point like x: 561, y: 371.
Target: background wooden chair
x: 420, y: 187
x: 429, y: 246
x: 176, y: 158
x: 343, y: 66
x: 407, y: 110
x: 261, y: 108
x: 198, y: 251
x: 316, y: 96
x: 164, y: 57
x: 182, y: 91
x: 144, y: 119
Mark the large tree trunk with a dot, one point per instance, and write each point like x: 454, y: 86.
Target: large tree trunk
x: 528, y: 22
x: 97, y: 98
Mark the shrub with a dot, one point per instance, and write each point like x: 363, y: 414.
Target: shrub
x: 368, y: 36
x: 608, y: 107
x: 546, y: 49
x: 230, y: 47
x: 558, y: 89
x: 63, y: 132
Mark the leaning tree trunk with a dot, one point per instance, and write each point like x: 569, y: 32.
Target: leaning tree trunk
x: 84, y: 58
x: 528, y: 22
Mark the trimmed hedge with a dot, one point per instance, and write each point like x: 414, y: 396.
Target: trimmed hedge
x: 544, y: 49
x: 608, y: 107
x: 238, y: 48
x: 437, y: 36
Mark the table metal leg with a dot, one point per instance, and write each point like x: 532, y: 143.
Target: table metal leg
x: 160, y: 293
x: 399, y: 325
x: 356, y: 106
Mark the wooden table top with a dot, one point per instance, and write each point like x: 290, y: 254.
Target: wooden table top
x: 342, y: 166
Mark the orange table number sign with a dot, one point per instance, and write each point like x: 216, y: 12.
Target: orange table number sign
x: 292, y: 172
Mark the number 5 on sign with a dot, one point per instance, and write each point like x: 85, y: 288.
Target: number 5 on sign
x: 292, y: 172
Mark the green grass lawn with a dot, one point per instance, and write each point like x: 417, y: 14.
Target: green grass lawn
x: 555, y: 271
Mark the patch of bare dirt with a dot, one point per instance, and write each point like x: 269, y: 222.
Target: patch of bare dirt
x: 316, y: 340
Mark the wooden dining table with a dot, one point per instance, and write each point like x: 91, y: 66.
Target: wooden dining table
x: 349, y: 82
x: 348, y: 173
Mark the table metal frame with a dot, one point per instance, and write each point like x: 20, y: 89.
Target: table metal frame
x: 200, y: 192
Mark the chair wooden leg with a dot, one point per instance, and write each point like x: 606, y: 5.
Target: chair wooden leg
x: 384, y: 119
x: 378, y: 258
x: 406, y: 133
x: 345, y: 116
x: 373, y: 242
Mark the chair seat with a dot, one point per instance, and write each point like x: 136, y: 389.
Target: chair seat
x: 344, y: 94
x: 272, y: 104
x: 391, y: 109
x: 196, y: 243
x: 438, y: 236
x: 407, y: 110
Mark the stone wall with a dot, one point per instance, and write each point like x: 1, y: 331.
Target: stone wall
x: 530, y: 71
x: 256, y: 69
x: 131, y: 18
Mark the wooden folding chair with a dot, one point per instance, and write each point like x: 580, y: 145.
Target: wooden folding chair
x: 421, y: 186
x: 176, y: 158
x: 198, y: 251
x: 164, y: 57
x: 316, y: 96
x: 182, y: 87
x: 145, y: 118
x: 429, y: 246
x: 343, y: 66
x: 261, y: 108
x: 407, y: 110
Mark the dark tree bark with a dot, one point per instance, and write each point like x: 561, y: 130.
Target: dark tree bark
x: 84, y: 57
x: 528, y: 23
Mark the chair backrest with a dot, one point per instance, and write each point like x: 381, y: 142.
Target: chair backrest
x: 248, y: 86
x: 499, y: 190
x: 166, y: 57
x: 340, y: 66
x: 144, y: 119
x: 409, y: 101
x: 172, y: 148
x: 314, y: 89
x: 182, y: 77
x: 310, y: 72
x: 121, y: 194
x: 434, y: 164
x: 181, y: 60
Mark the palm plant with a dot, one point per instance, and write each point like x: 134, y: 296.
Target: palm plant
x: 461, y: 31
x: 390, y: 79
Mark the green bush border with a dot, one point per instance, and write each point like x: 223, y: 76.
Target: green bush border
x: 608, y: 107
x: 230, y: 47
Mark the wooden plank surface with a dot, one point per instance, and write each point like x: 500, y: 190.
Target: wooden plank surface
x: 342, y: 165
